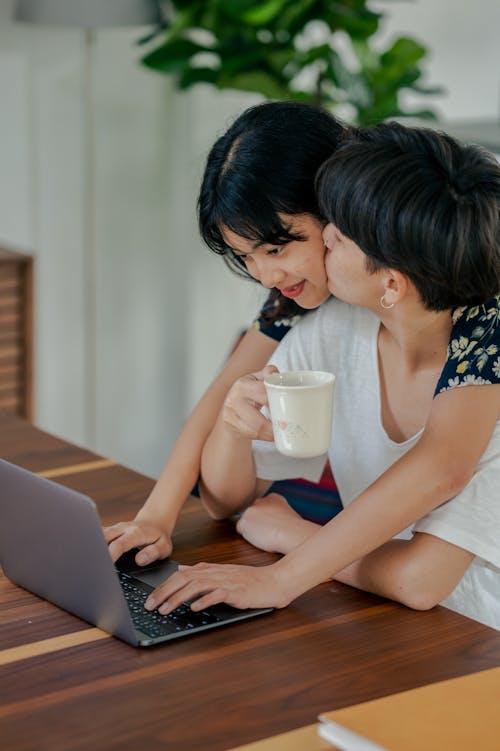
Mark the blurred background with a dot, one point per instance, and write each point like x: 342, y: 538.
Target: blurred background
x: 100, y: 163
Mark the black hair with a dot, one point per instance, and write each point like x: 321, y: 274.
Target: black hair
x: 263, y: 166
x: 418, y: 201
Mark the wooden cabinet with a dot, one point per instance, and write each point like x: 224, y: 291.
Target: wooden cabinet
x: 16, y: 333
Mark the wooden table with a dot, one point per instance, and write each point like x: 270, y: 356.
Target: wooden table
x: 65, y: 685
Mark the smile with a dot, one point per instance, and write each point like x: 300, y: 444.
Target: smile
x: 294, y: 291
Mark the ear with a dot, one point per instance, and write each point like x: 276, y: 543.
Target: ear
x: 396, y: 286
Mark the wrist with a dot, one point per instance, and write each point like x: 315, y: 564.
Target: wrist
x: 283, y: 583
x: 230, y: 435
x: 290, y: 536
x: 165, y: 522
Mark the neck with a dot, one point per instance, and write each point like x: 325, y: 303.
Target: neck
x: 421, y: 335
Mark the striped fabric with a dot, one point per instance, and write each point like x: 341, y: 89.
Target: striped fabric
x: 317, y: 502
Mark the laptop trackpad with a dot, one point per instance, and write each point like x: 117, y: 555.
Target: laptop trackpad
x: 153, y: 575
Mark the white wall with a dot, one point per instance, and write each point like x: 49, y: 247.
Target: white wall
x: 151, y: 276
x: 463, y: 40
x: 166, y: 309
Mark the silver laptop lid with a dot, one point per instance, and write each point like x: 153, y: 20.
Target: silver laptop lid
x: 51, y: 543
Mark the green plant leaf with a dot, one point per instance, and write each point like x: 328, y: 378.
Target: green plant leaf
x: 263, y: 13
x: 173, y: 55
x: 248, y: 60
x: 404, y: 51
x: 321, y: 52
x: 352, y: 17
x: 191, y: 76
x: 298, y: 13
x: 420, y: 114
x: 278, y: 59
x: 258, y: 81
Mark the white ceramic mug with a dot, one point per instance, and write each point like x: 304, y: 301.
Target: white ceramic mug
x: 301, y: 408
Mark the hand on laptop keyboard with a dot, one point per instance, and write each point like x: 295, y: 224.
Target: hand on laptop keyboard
x: 153, y: 623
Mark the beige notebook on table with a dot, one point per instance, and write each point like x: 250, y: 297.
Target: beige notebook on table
x: 461, y: 714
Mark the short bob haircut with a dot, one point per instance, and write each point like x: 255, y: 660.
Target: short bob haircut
x: 418, y: 201
x: 263, y: 166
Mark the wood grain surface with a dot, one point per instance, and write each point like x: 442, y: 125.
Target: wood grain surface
x: 64, y: 685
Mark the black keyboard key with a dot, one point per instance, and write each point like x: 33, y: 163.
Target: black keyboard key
x: 155, y: 624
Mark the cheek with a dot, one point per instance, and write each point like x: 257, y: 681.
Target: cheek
x: 314, y: 262
x: 251, y: 269
x: 329, y: 265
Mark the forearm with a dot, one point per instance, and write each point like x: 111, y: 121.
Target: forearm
x: 182, y: 469
x: 405, y: 493
x: 379, y: 572
x: 418, y: 573
x: 437, y: 468
x: 175, y: 483
x: 228, y: 481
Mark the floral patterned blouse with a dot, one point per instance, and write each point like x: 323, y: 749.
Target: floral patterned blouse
x: 474, y: 348
x: 277, y: 329
x: 473, y: 351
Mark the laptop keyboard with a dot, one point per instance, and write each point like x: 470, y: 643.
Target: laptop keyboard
x: 153, y: 623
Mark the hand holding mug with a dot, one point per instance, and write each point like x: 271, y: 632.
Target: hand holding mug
x: 242, y: 408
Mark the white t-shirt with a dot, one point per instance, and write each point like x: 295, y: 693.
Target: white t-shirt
x: 342, y: 339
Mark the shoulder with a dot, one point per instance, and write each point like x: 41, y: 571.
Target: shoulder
x: 273, y: 325
x: 337, y: 315
x: 276, y: 330
x: 336, y: 323
x: 474, y: 348
x: 477, y: 320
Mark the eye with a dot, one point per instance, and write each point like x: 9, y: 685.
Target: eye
x: 275, y: 251
x: 240, y: 256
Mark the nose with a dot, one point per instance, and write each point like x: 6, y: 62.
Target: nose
x: 268, y: 272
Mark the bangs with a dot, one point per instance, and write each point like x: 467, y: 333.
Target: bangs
x: 264, y: 227
x: 275, y: 232
x: 258, y: 222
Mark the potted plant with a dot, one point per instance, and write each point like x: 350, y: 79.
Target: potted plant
x: 311, y: 50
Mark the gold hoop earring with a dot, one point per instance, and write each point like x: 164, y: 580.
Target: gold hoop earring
x: 383, y: 303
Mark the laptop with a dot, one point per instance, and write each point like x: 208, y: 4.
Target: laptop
x: 52, y: 544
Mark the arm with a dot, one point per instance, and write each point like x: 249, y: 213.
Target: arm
x: 228, y: 471
x: 423, y: 571
x: 228, y: 478
x: 435, y: 470
x: 152, y: 527
x: 419, y: 573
